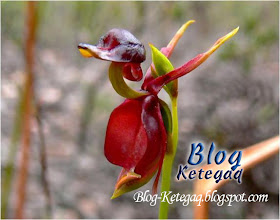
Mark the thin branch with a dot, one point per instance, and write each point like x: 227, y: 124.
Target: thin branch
x: 27, y: 110
x: 43, y: 162
x: 251, y: 156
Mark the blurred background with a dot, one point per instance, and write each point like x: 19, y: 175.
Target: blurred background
x: 232, y: 100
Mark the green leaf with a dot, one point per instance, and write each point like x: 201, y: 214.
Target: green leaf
x: 162, y: 66
x: 166, y: 115
x: 167, y: 120
x: 161, y: 62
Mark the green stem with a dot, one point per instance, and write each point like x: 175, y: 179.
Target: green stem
x: 168, y: 160
x: 118, y: 83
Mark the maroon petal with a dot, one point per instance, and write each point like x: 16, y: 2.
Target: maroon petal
x: 126, y: 138
x: 136, y: 140
x: 155, y: 85
x: 118, y: 45
x: 157, y: 138
x: 132, y: 71
x: 167, y: 51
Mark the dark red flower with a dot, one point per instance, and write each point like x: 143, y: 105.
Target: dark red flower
x: 136, y: 140
x: 136, y: 136
x: 119, y: 45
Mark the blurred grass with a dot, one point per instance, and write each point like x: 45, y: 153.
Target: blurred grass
x: 7, y: 173
x: 63, y: 24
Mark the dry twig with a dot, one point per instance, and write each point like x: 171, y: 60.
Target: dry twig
x: 43, y: 162
x: 27, y: 110
x: 251, y: 156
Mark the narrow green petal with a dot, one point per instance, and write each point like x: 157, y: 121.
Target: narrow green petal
x: 120, y: 86
x: 162, y: 66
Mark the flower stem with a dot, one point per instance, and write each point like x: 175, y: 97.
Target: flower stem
x: 168, y: 160
x: 120, y: 86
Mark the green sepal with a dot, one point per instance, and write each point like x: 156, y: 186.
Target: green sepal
x: 162, y: 66
x: 167, y: 120
x: 120, y: 86
x: 130, y: 186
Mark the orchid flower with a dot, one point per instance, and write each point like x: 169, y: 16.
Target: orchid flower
x: 141, y: 132
x: 119, y: 46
